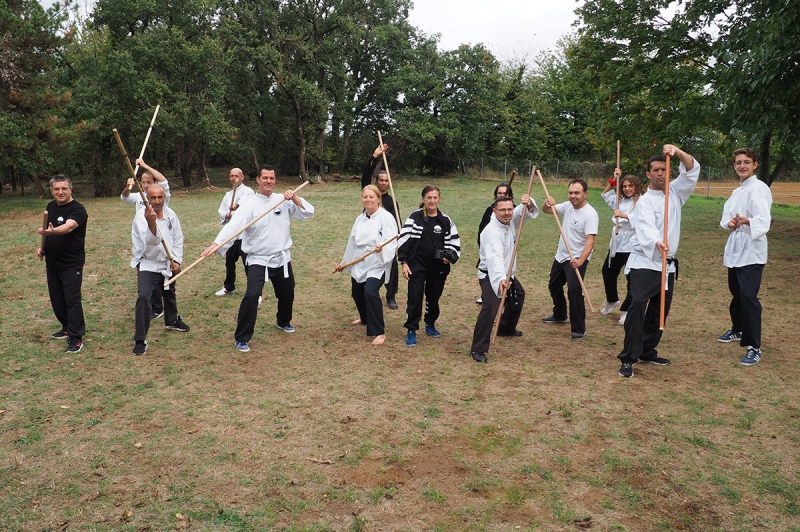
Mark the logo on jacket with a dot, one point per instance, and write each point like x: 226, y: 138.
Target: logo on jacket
x: 574, y: 223
x: 60, y: 220
x: 437, y: 229
x: 278, y: 212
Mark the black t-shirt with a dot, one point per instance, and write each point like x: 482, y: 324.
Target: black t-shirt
x: 66, y: 251
x: 432, y: 237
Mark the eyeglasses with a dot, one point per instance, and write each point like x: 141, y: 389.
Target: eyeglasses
x: 504, y: 210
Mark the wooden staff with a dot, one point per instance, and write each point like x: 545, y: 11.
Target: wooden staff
x: 496, y: 324
x: 513, y: 175
x: 613, y: 251
x: 141, y: 192
x: 233, y: 194
x: 146, y: 138
x: 364, y: 256
x: 44, y: 228
x: 619, y: 181
x: 566, y: 244
x: 663, y: 307
x: 232, y: 237
x: 389, y: 177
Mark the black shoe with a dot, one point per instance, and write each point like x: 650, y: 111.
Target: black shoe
x: 140, y: 347
x: 658, y: 361
x: 626, y: 370
x: 552, y: 319
x: 477, y: 356
x: 178, y: 326
x: 156, y: 315
x: 75, y: 345
x: 60, y: 335
x: 515, y: 333
x: 392, y: 304
x: 576, y: 335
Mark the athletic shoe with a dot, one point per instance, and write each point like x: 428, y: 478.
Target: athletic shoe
x: 576, y: 335
x: 156, y: 316
x: 517, y: 332
x: 430, y: 330
x: 60, y: 335
x: 479, y: 301
x: 752, y: 357
x: 729, y: 336
x: 140, y: 347
x: 552, y: 319
x: 658, y: 361
x: 178, y: 326
x: 243, y: 347
x: 411, y: 338
x: 223, y: 292
x: 286, y: 328
x: 622, y: 318
x: 260, y: 299
x: 477, y: 356
x: 608, y: 306
x: 626, y: 370
x: 392, y: 304
x: 75, y: 345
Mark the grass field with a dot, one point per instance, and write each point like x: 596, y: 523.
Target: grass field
x: 319, y: 430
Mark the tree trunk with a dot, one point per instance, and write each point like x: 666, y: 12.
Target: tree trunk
x: 38, y: 184
x: 345, y: 147
x: 764, y: 174
x: 301, y: 139
x: 203, y: 165
x: 255, y: 159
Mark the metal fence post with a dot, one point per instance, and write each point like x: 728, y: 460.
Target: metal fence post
x: 557, y: 163
x: 708, y: 187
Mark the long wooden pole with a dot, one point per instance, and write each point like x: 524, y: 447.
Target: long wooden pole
x: 496, y: 324
x: 662, y: 317
x: 619, y: 181
x: 513, y: 175
x: 566, y: 244
x: 364, y: 256
x: 44, y: 228
x: 232, y: 237
x: 146, y: 139
x: 391, y: 187
x: 141, y: 191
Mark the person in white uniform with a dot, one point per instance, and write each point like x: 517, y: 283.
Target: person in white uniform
x: 372, y: 228
x: 747, y: 214
x: 238, y: 194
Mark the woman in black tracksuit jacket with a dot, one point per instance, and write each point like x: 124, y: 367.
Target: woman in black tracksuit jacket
x: 429, y: 243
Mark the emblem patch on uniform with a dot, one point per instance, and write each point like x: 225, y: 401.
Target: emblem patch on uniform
x: 60, y: 220
x: 278, y: 212
x: 574, y: 223
x: 437, y: 229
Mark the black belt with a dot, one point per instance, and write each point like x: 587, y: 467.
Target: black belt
x: 674, y: 261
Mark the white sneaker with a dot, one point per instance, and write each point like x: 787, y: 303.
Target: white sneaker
x: 222, y: 292
x: 622, y: 318
x: 608, y: 307
x: 260, y: 299
x: 479, y: 301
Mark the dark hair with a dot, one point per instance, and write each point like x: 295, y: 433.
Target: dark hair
x: 381, y: 172
x: 509, y: 192
x: 634, y: 180
x: 749, y: 152
x: 581, y: 182
x: 265, y: 167
x: 501, y: 199
x: 59, y: 178
x: 656, y: 159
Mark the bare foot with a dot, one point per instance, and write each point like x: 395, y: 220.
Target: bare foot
x: 357, y: 322
x: 379, y: 339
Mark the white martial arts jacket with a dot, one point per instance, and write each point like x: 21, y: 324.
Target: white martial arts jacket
x: 148, y: 253
x: 748, y: 243
x: 626, y: 206
x: 368, y: 232
x: 497, y: 246
x: 242, y: 193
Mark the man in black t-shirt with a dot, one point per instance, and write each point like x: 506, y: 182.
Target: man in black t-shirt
x: 63, y: 249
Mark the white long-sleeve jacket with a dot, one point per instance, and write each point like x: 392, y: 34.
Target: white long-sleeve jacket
x: 497, y: 246
x: 748, y: 243
x: 368, y: 232
x: 148, y: 253
x: 242, y: 193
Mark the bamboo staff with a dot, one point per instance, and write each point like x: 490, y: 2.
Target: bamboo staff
x: 141, y: 192
x: 616, y: 229
x: 364, y: 256
x: 44, y: 228
x: 566, y: 244
x: 233, y: 194
x: 613, y: 251
x: 146, y: 139
x: 232, y: 237
x: 389, y: 177
x: 662, y: 317
x: 496, y: 324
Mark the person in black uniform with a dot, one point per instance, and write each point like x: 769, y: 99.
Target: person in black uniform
x: 64, y: 252
x: 429, y: 243
x: 382, y: 181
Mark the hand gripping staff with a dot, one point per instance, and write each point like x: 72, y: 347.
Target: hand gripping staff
x: 141, y: 192
x: 566, y: 244
x: 496, y: 324
x: 233, y: 237
x: 662, y: 315
x: 146, y: 139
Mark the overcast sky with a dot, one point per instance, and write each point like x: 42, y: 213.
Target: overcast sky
x: 511, y: 29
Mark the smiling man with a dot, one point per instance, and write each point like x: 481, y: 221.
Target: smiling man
x: 747, y: 215
x: 266, y: 244
x: 496, y: 248
x: 580, y: 222
x: 63, y: 249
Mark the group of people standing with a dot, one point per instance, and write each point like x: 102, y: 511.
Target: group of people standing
x: 256, y: 228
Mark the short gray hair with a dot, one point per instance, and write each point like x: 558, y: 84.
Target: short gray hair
x: 59, y: 178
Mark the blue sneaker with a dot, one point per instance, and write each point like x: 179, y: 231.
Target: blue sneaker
x: 729, y: 336
x: 286, y: 328
x: 431, y: 331
x: 243, y: 347
x: 411, y: 338
x: 752, y: 357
